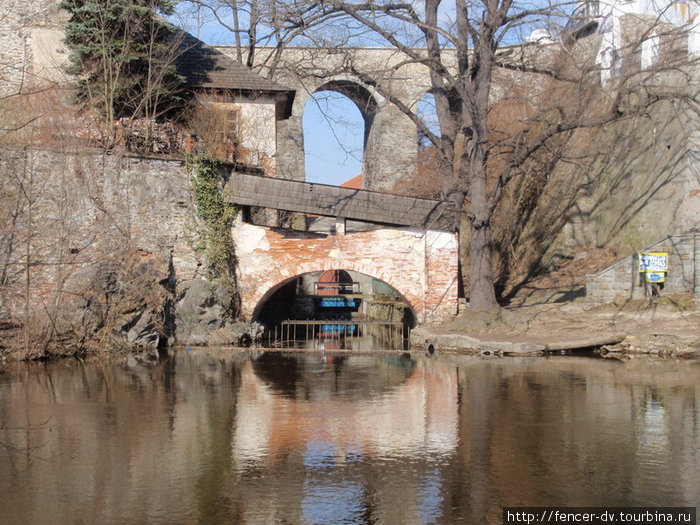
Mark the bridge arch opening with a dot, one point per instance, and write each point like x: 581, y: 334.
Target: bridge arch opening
x: 336, y: 304
x: 337, y: 120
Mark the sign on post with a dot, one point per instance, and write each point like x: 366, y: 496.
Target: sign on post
x: 653, y: 262
x: 655, y: 277
x: 654, y: 265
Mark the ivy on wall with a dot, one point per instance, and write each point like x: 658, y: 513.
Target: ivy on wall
x: 206, y: 177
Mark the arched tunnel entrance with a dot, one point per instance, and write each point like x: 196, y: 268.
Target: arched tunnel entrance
x: 335, y: 309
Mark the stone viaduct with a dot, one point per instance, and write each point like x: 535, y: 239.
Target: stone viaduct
x: 390, y: 137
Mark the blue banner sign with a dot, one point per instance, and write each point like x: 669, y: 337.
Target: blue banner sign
x: 337, y: 302
x: 655, y: 277
x: 338, y: 329
x: 653, y: 262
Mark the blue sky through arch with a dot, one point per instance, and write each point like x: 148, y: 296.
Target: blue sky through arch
x: 428, y: 114
x: 333, y: 138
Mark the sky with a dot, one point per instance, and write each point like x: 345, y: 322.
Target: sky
x: 333, y: 138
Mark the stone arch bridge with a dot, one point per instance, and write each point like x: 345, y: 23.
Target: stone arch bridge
x: 390, y: 137
x: 406, y: 242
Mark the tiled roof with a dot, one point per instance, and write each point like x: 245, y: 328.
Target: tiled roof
x: 206, y: 68
x: 354, y: 183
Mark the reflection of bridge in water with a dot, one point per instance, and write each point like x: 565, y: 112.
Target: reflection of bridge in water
x: 405, y: 407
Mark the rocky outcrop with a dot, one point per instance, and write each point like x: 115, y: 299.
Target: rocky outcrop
x: 656, y: 344
x: 202, y: 316
x: 123, y: 302
x: 462, y: 343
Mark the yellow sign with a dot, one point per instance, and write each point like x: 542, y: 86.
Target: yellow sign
x: 655, y: 277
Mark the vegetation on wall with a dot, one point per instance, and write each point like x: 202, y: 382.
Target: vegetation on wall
x: 123, y: 57
x: 206, y: 176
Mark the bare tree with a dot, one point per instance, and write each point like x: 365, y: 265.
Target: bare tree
x: 270, y: 23
x: 476, y: 56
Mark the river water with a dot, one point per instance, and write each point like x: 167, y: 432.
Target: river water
x: 269, y: 437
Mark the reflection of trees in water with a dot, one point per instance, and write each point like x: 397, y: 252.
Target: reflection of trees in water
x: 573, y: 430
x: 297, y: 376
x: 457, y: 437
x: 280, y: 371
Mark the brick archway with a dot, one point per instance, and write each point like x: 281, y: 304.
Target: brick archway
x: 263, y: 295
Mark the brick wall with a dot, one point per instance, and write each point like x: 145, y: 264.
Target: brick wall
x: 422, y: 266
x: 621, y: 281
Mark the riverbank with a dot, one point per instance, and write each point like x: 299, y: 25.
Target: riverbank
x: 669, y: 326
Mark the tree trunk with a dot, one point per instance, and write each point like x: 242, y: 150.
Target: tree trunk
x: 482, y: 294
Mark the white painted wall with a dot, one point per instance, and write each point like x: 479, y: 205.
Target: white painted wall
x: 681, y: 14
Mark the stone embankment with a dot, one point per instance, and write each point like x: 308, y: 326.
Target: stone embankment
x: 670, y: 328
x: 467, y: 344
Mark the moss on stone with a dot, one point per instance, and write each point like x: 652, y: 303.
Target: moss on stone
x: 207, y: 176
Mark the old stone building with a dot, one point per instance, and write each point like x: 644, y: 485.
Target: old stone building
x: 107, y: 236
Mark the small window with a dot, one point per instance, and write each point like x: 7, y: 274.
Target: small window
x: 650, y: 50
x: 230, y: 124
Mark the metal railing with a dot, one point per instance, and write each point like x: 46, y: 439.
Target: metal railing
x: 336, y: 288
x: 294, y: 333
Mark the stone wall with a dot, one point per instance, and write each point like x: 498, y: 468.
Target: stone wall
x: 623, y: 281
x: 31, y: 51
x: 640, y: 181
x: 107, y: 236
x: 92, y: 193
x: 92, y: 226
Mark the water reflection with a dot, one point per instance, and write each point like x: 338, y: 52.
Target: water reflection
x: 264, y: 437
x: 383, y: 406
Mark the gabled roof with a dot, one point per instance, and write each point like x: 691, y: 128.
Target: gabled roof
x: 206, y: 68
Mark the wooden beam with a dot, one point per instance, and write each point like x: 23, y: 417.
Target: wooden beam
x: 335, y: 201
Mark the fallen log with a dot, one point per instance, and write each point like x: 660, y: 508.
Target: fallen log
x: 591, y: 342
